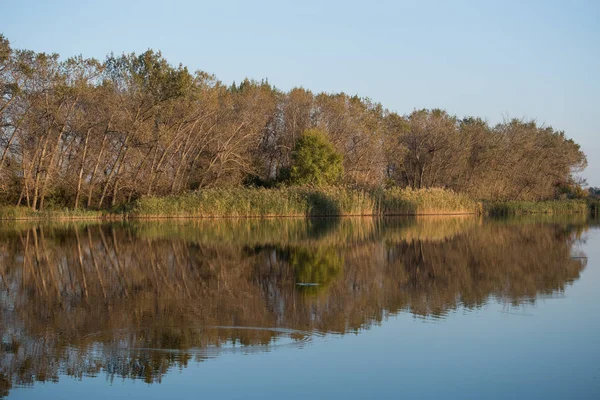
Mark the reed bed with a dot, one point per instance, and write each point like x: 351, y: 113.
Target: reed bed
x: 26, y: 213
x: 511, y: 208
x: 306, y: 202
x: 302, y: 201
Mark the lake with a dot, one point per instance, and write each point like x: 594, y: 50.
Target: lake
x: 431, y: 307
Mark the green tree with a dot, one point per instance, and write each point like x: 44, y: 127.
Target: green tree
x: 315, y: 161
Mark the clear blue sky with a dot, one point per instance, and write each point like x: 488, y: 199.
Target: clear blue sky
x: 493, y: 59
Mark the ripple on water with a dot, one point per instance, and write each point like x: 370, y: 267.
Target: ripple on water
x: 128, y: 340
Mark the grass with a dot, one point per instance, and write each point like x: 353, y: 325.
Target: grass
x: 25, y: 213
x: 304, y: 201
x: 594, y: 206
x: 426, y: 202
x: 510, y: 208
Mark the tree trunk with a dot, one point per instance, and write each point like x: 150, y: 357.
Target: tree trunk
x: 96, y: 165
x: 80, y: 176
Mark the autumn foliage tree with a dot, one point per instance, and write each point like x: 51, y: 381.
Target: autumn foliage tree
x: 84, y: 133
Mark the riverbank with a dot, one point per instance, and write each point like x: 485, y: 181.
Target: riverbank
x: 14, y: 213
x: 284, y: 202
x: 514, y: 208
x: 303, y: 202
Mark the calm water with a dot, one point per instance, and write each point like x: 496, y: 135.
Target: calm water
x: 331, y: 308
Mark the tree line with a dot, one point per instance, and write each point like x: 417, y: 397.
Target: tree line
x: 89, y: 134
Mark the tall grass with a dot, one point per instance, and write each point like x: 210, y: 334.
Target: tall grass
x: 594, y: 206
x: 26, y: 213
x: 305, y: 201
x: 426, y: 202
x: 509, y: 208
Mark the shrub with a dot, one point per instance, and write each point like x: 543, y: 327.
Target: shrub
x: 315, y: 161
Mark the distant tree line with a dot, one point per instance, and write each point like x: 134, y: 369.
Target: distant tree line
x: 594, y: 192
x: 88, y: 134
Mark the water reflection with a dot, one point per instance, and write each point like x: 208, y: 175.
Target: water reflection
x: 133, y: 300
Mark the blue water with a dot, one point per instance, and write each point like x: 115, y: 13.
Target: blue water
x: 545, y: 347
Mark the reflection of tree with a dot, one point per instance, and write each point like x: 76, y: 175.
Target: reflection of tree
x: 318, y: 266
x: 512, y: 265
x: 5, y: 385
x: 314, y: 268
x: 90, y: 299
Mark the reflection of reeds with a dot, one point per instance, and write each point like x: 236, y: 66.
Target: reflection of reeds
x: 68, y: 290
x: 430, y: 228
x: 324, y: 231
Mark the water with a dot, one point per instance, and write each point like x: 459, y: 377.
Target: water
x: 293, y: 308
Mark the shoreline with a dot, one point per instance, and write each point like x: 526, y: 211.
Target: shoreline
x: 60, y: 216
x: 304, y: 202
x: 117, y: 217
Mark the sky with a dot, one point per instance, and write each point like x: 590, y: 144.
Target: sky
x: 493, y: 59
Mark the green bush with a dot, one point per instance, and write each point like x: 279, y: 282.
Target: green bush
x: 315, y: 161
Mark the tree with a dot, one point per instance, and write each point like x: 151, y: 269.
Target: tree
x: 434, y: 153
x: 315, y: 161
x: 84, y: 133
x: 355, y: 128
x: 594, y: 192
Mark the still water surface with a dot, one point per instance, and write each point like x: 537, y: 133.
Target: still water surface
x: 294, y: 308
